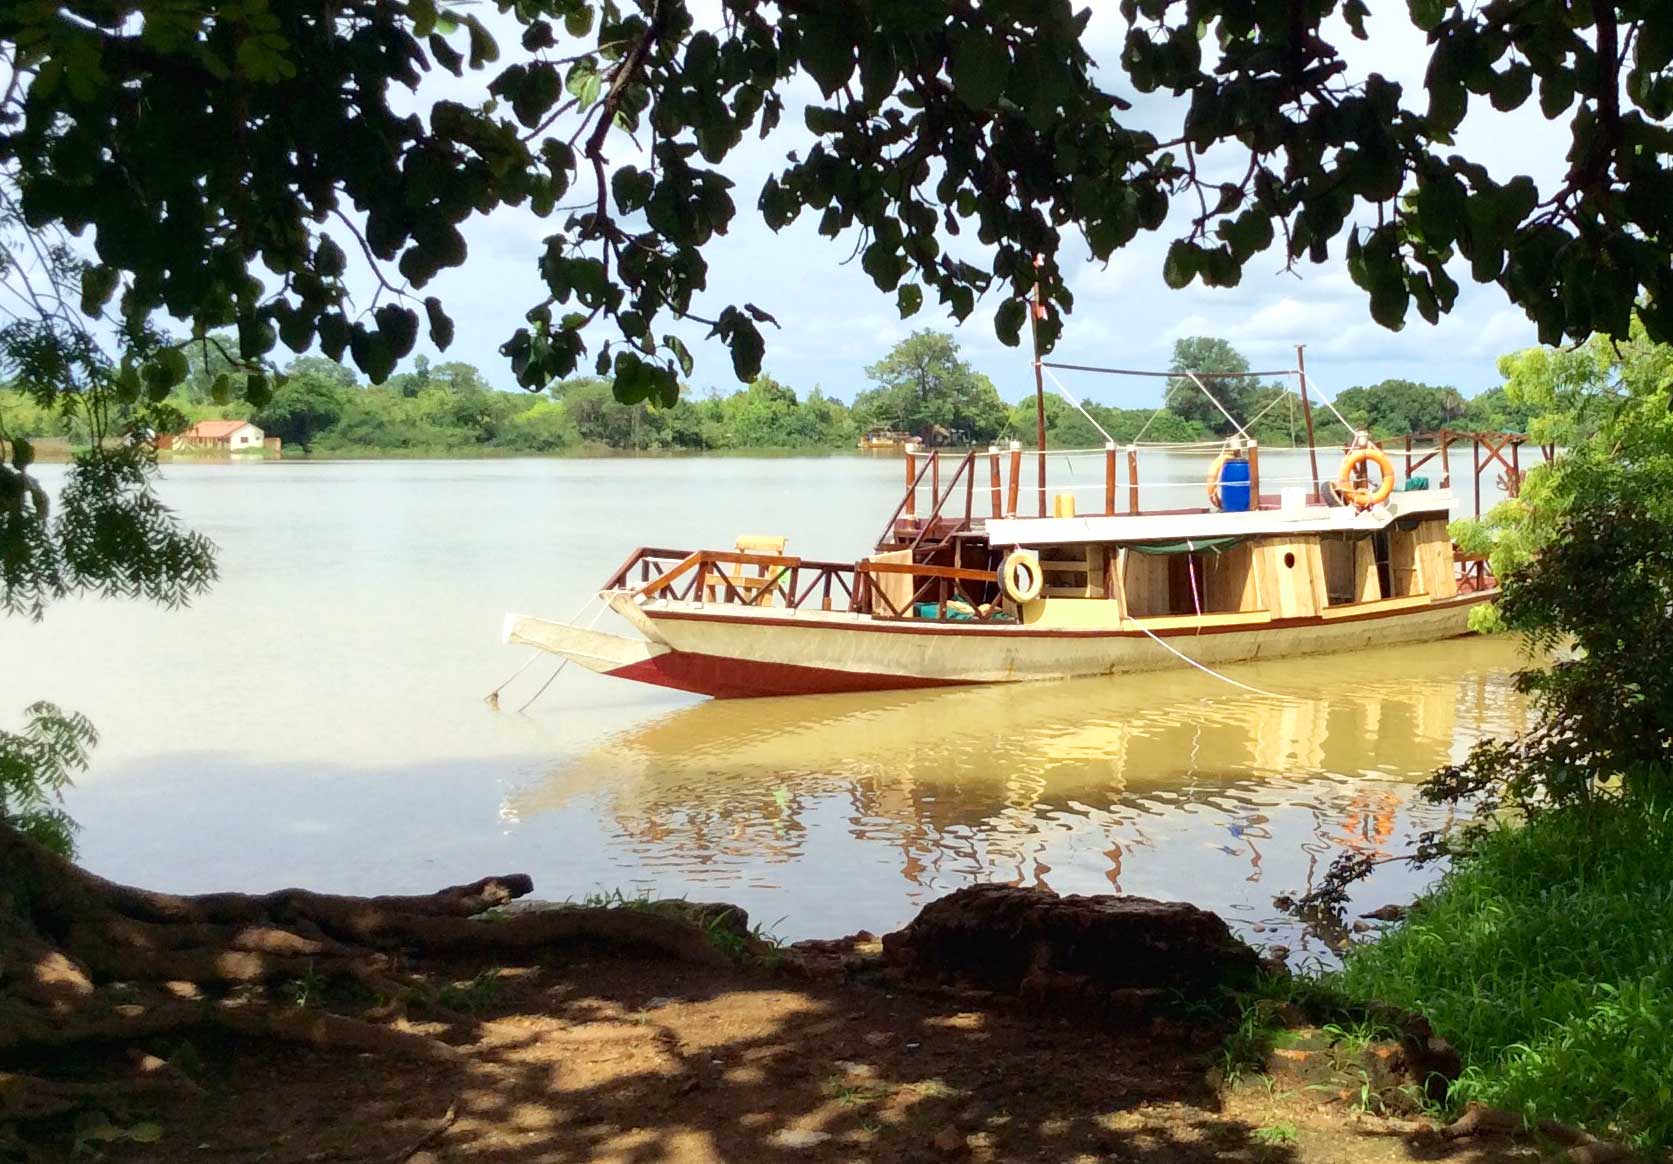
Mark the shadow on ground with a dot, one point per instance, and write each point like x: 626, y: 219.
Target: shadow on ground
x: 602, y: 1058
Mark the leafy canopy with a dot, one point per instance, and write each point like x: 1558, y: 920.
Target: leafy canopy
x: 241, y: 165
x: 1585, y: 558
x: 35, y: 767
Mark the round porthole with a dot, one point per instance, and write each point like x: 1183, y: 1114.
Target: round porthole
x: 1289, y: 561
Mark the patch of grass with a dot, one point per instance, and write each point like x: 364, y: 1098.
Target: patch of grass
x: 853, y: 1094
x: 1278, y: 1135
x: 304, y: 991
x: 475, y: 996
x: 1546, y: 958
x: 616, y: 899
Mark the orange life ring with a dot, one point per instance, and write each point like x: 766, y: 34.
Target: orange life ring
x: 1213, y: 481
x: 1365, y: 498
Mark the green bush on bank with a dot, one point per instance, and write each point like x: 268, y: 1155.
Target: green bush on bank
x: 1546, y: 957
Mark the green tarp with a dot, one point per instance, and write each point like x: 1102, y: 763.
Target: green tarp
x: 1188, y: 546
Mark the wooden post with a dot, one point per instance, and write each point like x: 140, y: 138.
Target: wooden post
x: 1475, y: 461
x: 1132, y: 481
x: 968, y: 468
x: 911, y: 507
x: 1109, y: 477
x: 1254, y: 476
x: 934, y: 474
x: 1016, y: 478
x: 1515, y: 479
x: 1307, y: 416
x: 1408, y: 456
x: 1446, y: 461
x: 994, y: 480
x: 1034, y: 311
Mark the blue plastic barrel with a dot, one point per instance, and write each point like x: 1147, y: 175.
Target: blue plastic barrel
x: 1234, y: 486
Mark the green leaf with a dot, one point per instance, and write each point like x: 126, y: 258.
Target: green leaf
x: 441, y: 326
x: 578, y: 21
x: 221, y: 390
x: 1427, y: 14
x: 146, y: 1133
x: 584, y: 82
x: 632, y: 188
x: 681, y: 353
x: 483, y: 49
x: 909, y: 299
x: 979, y: 67
x: 1008, y: 320
x: 827, y: 49
x: 747, y: 350
x: 97, y: 283
x: 1181, y: 265
x: 23, y: 454
x: 172, y: 367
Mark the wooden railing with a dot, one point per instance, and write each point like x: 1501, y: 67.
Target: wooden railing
x: 740, y: 579
x: 946, y: 582
x: 1474, y: 575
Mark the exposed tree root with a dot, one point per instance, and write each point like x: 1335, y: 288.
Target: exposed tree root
x: 85, y: 960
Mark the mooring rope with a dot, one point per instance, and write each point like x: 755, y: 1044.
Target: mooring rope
x: 492, y: 699
x: 559, y: 670
x: 1121, y: 578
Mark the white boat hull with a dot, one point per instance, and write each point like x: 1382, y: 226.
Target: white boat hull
x: 731, y: 652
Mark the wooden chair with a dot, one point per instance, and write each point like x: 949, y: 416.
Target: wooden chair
x: 748, y: 581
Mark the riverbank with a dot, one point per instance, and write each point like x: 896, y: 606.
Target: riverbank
x: 942, y: 1042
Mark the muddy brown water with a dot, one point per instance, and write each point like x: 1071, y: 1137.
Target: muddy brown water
x: 317, y: 719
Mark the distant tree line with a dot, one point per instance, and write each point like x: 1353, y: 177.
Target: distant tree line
x: 922, y: 387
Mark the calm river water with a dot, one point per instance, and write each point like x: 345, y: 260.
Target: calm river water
x: 318, y: 719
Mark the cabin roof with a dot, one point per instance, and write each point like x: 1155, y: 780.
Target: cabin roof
x: 215, y: 429
x: 1313, y: 519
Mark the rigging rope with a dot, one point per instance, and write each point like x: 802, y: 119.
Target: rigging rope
x: 1214, y: 400
x: 1311, y: 383
x: 1070, y: 397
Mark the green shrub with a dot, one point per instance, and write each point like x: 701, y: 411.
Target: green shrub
x: 1546, y: 957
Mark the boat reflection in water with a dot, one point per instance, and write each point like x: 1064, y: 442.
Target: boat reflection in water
x: 844, y: 811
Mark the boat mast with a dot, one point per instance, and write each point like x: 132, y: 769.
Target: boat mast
x: 1035, y: 311
x: 1307, y: 416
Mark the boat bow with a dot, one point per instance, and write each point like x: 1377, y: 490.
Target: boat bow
x: 592, y: 649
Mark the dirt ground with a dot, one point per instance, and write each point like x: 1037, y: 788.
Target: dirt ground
x: 608, y: 1057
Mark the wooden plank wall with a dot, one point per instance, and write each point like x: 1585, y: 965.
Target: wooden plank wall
x: 1338, y: 555
x: 1434, y: 557
x: 1291, y: 576
x: 1367, y: 586
x: 1405, y: 574
x: 1230, y: 579
x: 1147, y: 584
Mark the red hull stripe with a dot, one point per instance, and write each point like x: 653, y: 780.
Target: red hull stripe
x: 726, y: 678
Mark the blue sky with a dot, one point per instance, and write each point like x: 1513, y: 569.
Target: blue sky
x: 835, y: 322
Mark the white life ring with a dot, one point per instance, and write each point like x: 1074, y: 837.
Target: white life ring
x: 1020, y: 576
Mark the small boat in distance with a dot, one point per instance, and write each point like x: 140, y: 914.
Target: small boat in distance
x: 997, y: 581
x: 883, y: 440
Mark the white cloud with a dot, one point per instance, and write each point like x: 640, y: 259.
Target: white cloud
x: 835, y: 322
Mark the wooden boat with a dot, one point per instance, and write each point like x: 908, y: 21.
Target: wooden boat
x: 969, y: 589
